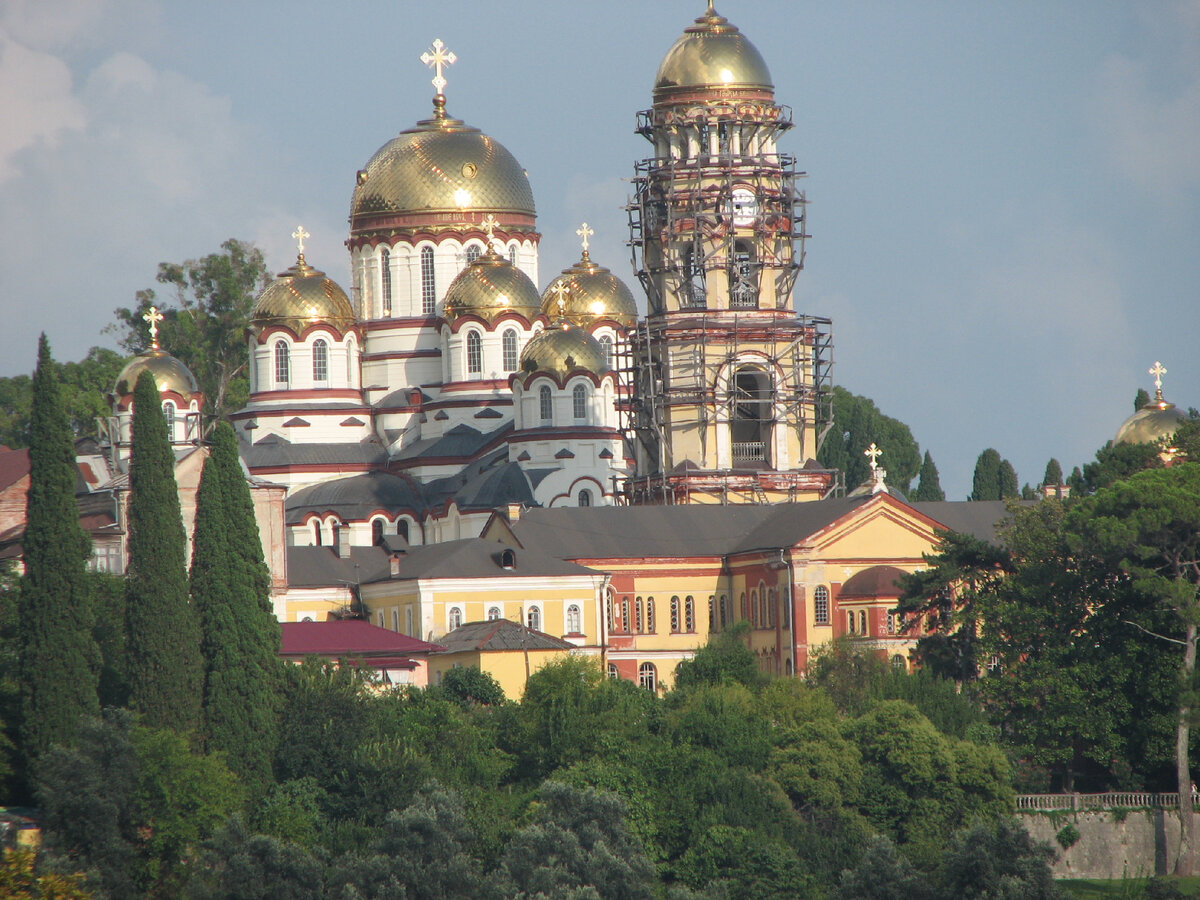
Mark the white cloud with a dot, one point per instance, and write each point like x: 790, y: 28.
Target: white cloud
x: 37, y: 103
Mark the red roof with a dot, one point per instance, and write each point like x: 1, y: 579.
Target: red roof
x: 14, y: 465
x: 349, y: 637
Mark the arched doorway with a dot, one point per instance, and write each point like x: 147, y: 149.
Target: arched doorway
x: 750, y: 422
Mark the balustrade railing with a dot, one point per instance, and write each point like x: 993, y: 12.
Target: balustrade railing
x: 1111, y: 800
x: 748, y: 450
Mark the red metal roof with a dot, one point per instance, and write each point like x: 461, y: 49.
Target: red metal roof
x: 14, y: 465
x: 349, y: 637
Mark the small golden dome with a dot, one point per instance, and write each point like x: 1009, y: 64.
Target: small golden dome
x: 300, y: 297
x: 592, y: 292
x: 489, y: 287
x: 169, y: 373
x: 441, y: 166
x: 1155, y: 421
x: 711, y: 53
x: 563, y: 349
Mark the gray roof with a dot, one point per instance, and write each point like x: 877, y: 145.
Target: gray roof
x: 322, y: 567
x: 479, y: 558
x: 275, y: 451
x: 460, y: 442
x: 500, y: 634
x: 356, y: 497
x: 486, y: 483
x: 978, y: 517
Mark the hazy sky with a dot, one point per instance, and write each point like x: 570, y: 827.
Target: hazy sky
x: 1004, y: 197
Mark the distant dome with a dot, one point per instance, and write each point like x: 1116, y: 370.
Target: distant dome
x: 593, y: 292
x: 562, y: 349
x: 169, y: 374
x: 489, y: 287
x: 1156, y: 420
x: 300, y: 297
x: 712, y: 53
x: 441, y: 166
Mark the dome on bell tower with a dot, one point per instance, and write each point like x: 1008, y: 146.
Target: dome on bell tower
x: 170, y: 374
x: 711, y: 53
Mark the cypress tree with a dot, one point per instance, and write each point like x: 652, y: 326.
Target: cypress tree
x: 929, y: 487
x: 1054, y: 473
x: 59, y: 662
x: 162, y: 631
x: 1140, y: 399
x: 230, y: 589
x: 1006, y: 481
x: 986, y: 484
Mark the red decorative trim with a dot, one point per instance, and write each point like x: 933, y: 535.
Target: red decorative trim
x: 310, y: 394
x: 433, y: 227
x: 402, y: 354
x: 507, y: 316
x: 451, y: 387
x: 271, y: 330
x: 386, y: 324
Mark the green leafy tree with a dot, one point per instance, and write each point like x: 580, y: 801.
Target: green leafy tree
x: 725, y: 659
x: 745, y: 865
x: 165, y: 668
x: 1114, y: 462
x: 240, y: 637
x: 858, y: 423
x: 19, y: 878
x: 59, y: 660
x: 205, y: 329
x: 469, y: 686
x: 1054, y: 473
x: 883, y: 873
x: 85, y: 385
x: 16, y: 406
x: 929, y: 487
x: 997, y: 861
x: 239, y: 865
x: 1147, y: 528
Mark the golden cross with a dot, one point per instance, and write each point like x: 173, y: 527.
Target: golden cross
x: 300, y: 234
x: 560, y: 290
x: 489, y: 224
x: 873, y: 452
x: 1158, y: 371
x: 584, y: 232
x: 436, y: 60
x: 152, y: 318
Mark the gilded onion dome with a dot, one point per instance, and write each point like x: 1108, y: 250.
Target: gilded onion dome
x: 441, y: 165
x: 1155, y: 421
x: 489, y: 287
x: 169, y: 373
x: 300, y: 297
x: 712, y: 53
x: 563, y: 349
x: 590, y: 292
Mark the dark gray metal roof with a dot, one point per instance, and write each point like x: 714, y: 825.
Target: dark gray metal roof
x: 460, y: 442
x: 500, y: 486
x: 478, y: 558
x: 500, y: 634
x: 322, y: 567
x: 355, y: 497
x: 978, y: 517
x: 275, y: 451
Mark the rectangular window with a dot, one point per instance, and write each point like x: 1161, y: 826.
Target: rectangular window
x: 428, y: 283
x: 821, y: 605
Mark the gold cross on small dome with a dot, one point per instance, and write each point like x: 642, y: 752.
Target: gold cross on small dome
x: 299, y: 235
x: 152, y: 318
x: 436, y: 60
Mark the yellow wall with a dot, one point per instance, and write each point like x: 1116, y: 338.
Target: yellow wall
x: 506, y: 666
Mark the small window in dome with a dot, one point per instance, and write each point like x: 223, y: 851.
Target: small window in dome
x: 320, y: 360
x: 473, y: 253
x: 545, y: 404
x: 579, y: 404
x: 282, y: 364
x: 606, y: 344
x: 474, y: 353
x: 585, y: 497
x: 510, y: 350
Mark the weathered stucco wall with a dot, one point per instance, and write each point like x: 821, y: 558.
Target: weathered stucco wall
x: 1110, y: 845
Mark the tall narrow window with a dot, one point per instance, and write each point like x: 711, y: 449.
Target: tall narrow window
x: 850, y: 622
x: 674, y: 614
x: 625, y: 614
x: 606, y: 344
x: 574, y: 620
x: 821, y: 605
x: 724, y: 611
x: 320, y: 361
x: 316, y: 532
x: 891, y: 623
x: 512, y: 254
x: 610, y: 612
x: 455, y: 617
x: 754, y: 608
x: 473, y: 252
x: 376, y: 532
x: 402, y: 528
x: 545, y: 404
x: 579, y: 403
x: 169, y: 415
x: 745, y: 609
x: 862, y: 621
x: 283, y: 367
x: 510, y: 349
x: 689, y: 615
x: 408, y: 621
x: 712, y: 612
x: 651, y: 623
x: 585, y: 497
x: 639, y: 615
x: 533, y: 619
x: 385, y: 274
x: 493, y: 613
x: 428, y: 282
x: 648, y: 676
x: 474, y: 353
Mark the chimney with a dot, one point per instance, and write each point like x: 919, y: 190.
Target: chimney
x: 343, y: 542
x: 395, y: 565
x: 514, y: 512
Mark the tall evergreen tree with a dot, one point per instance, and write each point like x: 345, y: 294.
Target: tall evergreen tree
x: 1006, y: 481
x: 858, y: 423
x: 59, y: 660
x: 165, y: 668
x: 1054, y: 473
x: 1140, y: 399
x: 929, y: 487
x: 230, y: 585
x: 986, y: 485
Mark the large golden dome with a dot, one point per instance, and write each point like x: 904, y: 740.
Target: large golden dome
x: 712, y: 53
x: 169, y: 374
x: 563, y: 349
x: 1155, y: 421
x: 441, y: 166
x: 489, y: 287
x: 300, y: 297
x: 592, y: 292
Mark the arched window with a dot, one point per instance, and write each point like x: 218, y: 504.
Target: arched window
x: 376, y: 532
x: 385, y: 273
x: 862, y: 621
x: 612, y: 671
x: 745, y: 609
x: 898, y: 663
x: 574, y: 620
x: 821, y: 605
x: 402, y: 529
x: 674, y: 614
x: 606, y: 344
x: 850, y: 622
x: 473, y: 251
x: 585, y: 497
x: 648, y: 676
x: 639, y: 615
x: 712, y: 612
x: 316, y: 532
x: 169, y: 415
x: 533, y: 618
x: 624, y: 625
x: 754, y: 608
x: 743, y: 277
x: 283, y: 366
x: 455, y: 617
x: 545, y: 404
x: 579, y: 404
x: 428, y: 282
x: 651, y: 624
x: 493, y: 613
x: 320, y: 361
x: 512, y: 254
x: 609, y: 613
x: 474, y: 353
x: 750, y: 426
x: 724, y: 620
x: 511, y: 356
x: 689, y: 615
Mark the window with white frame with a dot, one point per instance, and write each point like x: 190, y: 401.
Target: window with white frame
x: 850, y: 622
x: 395, y: 619
x: 316, y: 526
x: 381, y: 618
x: 821, y: 605
x: 612, y: 671
x: 579, y: 403
x: 283, y: 364
x: 408, y: 621
x: 574, y: 619
x: 474, y: 353
x: 891, y: 623
x: 320, y: 358
x: 545, y: 404
x: 512, y: 254
x: 862, y: 621
x: 606, y: 344
x: 674, y: 614
x: 509, y: 344
x: 689, y: 614
x: 428, y: 282
x: 648, y: 676
x: 473, y: 252
x: 385, y: 272
x: 639, y: 615
x: 624, y: 625
x: 169, y: 414
x: 651, y: 618
x: 533, y: 618
x: 493, y: 613
x: 455, y: 618
x: 585, y: 497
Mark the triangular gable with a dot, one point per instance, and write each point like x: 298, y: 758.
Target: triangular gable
x: 499, y: 529
x: 882, y: 528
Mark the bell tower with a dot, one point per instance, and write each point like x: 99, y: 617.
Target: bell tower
x: 732, y: 387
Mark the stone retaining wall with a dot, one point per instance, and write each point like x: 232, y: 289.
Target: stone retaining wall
x: 1112, y: 844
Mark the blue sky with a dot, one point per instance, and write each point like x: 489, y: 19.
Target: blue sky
x: 1004, y: 197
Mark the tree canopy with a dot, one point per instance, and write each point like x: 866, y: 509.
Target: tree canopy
x: 858, y: 423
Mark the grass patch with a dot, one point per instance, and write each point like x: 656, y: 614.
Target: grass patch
x: 1121, y: 888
